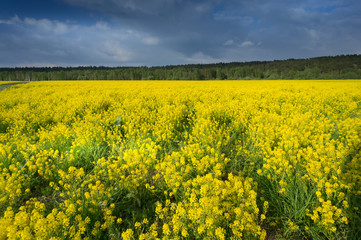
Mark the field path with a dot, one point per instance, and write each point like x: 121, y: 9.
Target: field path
x: 2, y: 87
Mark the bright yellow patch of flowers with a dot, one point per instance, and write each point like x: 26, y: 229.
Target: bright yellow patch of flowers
x: 180, y: 160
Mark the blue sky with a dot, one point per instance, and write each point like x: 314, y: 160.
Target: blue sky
x: 167, y: 32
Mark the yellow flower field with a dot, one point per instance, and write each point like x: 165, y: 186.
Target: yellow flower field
x: 181, y: 160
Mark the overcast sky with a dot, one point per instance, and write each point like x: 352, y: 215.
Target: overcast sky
x: 167, y: 32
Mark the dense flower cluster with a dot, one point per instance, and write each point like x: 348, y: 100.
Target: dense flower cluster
x: 180, y: 160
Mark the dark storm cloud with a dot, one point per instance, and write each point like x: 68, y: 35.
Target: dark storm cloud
x: 183, y: 25
x: 160, y: 32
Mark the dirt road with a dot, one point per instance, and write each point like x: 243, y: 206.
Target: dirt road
x: 2, y: 87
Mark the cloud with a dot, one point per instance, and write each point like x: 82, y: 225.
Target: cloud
x: 229, y: 42
x: 162, y: 32
x: 115, y: 51
x: 209, y: 27
x: 151, y: 40
x: 102, y: 25
x: 10, y: 21
x: 247, y: 44
x: 202, y: 58
x: 46, y: 25
x: 184, y: 26
x: 33, y: 41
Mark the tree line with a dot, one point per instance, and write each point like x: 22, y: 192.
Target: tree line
x: 331, y: 67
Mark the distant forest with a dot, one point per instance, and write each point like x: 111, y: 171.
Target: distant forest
x: 337, y: 67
